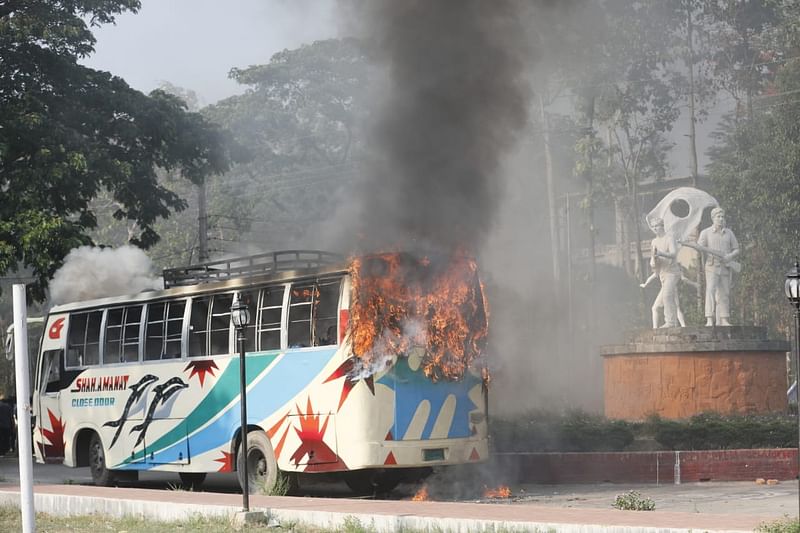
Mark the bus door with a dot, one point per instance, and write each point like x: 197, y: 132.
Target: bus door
x: 49, y: 425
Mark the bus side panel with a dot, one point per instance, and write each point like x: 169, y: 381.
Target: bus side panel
x: 51, y: 433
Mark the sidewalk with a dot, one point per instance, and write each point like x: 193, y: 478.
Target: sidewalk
x: 384, y: 516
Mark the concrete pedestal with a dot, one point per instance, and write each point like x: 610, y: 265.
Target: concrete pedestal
x: 679, y: 372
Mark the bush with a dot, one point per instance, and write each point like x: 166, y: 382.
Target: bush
x: 574, y: 431
x: 577, y: 431
x: 710, y: 431
x: 633, y: 501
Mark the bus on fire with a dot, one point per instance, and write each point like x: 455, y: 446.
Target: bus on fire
x: 369, y: 368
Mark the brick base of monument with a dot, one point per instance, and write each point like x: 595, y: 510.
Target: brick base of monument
x: 649, y: 467
x: 679, y: 372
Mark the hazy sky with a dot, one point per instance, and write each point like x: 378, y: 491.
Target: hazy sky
x: 194, y: 43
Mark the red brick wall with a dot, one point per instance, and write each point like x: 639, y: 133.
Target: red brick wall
x: 648, y: 467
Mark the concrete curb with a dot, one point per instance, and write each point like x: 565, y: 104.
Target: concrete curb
x: 80, y: 504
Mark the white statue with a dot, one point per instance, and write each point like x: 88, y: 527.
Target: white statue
x: 720, y: 247
x: 658, y: 303
x: 664, y: 262
x: 677, y: 223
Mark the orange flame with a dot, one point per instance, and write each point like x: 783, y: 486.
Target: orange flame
x: 421, y: 495
x: 500, y: 492
x: 402, y: 302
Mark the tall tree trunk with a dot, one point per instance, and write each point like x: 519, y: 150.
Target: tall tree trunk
x: 551, y: 195
x: 590, y: 188
x: 202, y: 222
x: 698, y: 261
x: 692, y: 112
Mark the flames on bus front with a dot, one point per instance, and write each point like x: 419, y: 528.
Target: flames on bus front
x: 418, y: 326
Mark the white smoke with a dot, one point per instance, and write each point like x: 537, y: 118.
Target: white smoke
x: 90, y: 273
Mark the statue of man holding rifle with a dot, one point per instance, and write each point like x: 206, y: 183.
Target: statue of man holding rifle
x: 720, y: 247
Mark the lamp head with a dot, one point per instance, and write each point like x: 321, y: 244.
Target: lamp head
x: 792, y: 286
x: 240, y: 314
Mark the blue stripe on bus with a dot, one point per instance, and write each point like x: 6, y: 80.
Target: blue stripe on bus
x: 281, y: 382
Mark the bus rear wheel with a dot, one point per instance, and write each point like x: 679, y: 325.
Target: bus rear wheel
x: 262, y: 468
x: 101, y: 475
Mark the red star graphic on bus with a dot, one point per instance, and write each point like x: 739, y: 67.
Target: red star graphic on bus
x: 55, y: 436
x: 346, y: 369
x: 201, y: 368
x: 273, y: 430
x: 227, y: 462
x: 320, y: 455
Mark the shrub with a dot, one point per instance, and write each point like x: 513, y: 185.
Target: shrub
x: 633, y: 501
x: 710, y: 431
x: 787, y: 525
x: 577, y: 431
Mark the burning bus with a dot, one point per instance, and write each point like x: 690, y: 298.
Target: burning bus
x: 370, y: 368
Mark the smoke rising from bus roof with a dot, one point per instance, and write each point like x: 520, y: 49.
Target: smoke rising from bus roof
x: 456, y: 101
x: 91, y: 272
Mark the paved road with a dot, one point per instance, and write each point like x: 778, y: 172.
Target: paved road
x: 710, y: 497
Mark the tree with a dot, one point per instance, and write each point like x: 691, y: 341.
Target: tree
x: 741, y: 47
x: 754, y: 170
x: 301, y: 119
x: 631, y: 91
x: 68, y: 133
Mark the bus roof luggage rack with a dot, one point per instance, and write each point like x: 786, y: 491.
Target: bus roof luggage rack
x: 267, y: 263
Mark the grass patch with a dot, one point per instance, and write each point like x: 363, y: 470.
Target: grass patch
x: 11, y: 520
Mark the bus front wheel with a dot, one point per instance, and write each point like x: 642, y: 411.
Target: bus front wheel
x: 262, y: 468
x: 101, y: 475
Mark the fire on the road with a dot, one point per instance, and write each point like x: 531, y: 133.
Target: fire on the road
x: 500, y: 492
x: 421, y: 495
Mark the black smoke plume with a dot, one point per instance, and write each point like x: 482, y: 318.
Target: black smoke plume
x: 455, y: 101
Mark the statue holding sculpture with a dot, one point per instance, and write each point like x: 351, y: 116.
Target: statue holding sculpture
x: 717, y: 243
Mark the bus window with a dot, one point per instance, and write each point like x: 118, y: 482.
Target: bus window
x: 83, y: 340
x: 50, y: 378
x: 164, y: 330
x: 198, y: 327
x: 130, y: 333
x: 300, y: 315
x: 154, y: 340
x: 220, y: 324
x: 269, y: 323
x: 174, y: 330
x: 113, y: 344
x: 326, y: 305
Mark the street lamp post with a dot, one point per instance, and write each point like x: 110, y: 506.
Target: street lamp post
x: 792, y: 289
x: 240, y: 316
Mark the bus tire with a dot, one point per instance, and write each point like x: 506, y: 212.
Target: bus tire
x: 372, y: 482
x: 101, y: 474
x: 192, y: 480
x: 262, y: 468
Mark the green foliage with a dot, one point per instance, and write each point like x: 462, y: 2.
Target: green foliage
x: 301, y: 117
x: 633, y: 501
x: 754, y: 171
x: 353, y: 525
x: 68, y: 132
x: 785, y: 525
x: 576, y: 431
x: 711, y: 431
